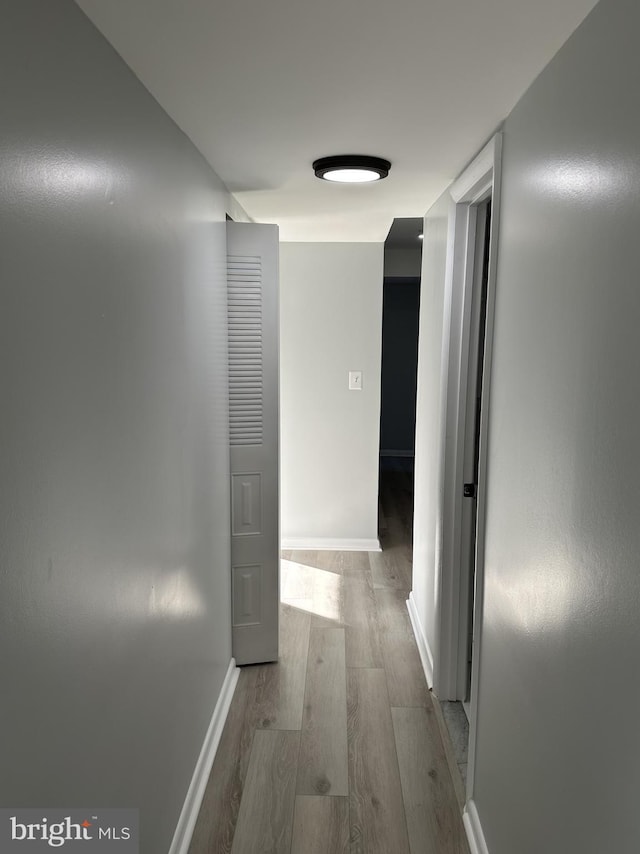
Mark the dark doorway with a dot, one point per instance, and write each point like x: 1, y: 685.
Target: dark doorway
x: 400, y: 321
x: 400, y: 317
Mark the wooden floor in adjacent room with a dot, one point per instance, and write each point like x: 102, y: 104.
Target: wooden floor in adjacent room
x: 336, y: 748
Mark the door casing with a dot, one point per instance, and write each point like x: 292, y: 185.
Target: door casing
x: 479, y: 181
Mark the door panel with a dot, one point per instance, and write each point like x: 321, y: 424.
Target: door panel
x: 252, y: 306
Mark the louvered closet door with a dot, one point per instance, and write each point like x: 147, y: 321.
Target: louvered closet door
x: 252, y: 282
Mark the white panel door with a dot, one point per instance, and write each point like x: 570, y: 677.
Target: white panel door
x: 252, y: 306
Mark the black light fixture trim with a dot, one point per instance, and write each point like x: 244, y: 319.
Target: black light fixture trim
x: 351, y: 161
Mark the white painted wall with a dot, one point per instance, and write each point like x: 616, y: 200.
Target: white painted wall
x: 427, y: 536
x: 331, y: 323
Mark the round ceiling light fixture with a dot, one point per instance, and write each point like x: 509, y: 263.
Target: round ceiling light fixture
x: 351, y: 168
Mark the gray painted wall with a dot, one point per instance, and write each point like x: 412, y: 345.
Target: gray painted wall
x: 557, y: 767
x: 114, y: 588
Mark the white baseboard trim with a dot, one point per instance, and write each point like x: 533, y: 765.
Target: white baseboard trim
x: 426, y: 656
x: 329, y: 544
x: 193, y: 800
x: 473, y: 828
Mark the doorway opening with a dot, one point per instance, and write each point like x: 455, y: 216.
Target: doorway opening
x: 400, y: 320
x: 471, y: 461
x: 457, y: 712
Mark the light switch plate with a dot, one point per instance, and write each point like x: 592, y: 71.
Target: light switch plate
x: 355, y: 380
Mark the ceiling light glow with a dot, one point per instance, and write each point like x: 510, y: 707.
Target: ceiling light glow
x: 351, y: 176
x: 351, y: 168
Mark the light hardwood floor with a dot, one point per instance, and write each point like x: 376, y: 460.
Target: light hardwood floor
x: 336, y: 748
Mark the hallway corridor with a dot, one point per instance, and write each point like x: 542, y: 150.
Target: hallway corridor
x: 336, y: 748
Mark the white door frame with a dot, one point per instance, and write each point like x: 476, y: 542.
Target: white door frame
x: 480, y: 180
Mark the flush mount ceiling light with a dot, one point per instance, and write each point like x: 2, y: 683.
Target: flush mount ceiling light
x: 351, y: 168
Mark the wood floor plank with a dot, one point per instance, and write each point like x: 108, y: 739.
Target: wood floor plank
x: 320, y: 826
x: 361, y: 622
x: 279, y: 689
x: 316, y: 590
x: 355, y: 562
x: 254, y: 802
x: 343, y: 562
x: 265, y: 820
x: 393, y: 614
x: 296, y: 581
x: 322, y: 767
x: 375, y: 796
x: 398, y: 553
x: 328, y: 599
x: 331, y: 561
x: 396, y: 495
x: 306, y: 557
x: 406, y: 682
x: 390, y: 568
x: 433, y: 818
x: 218, y: 815
x: 450, y: 753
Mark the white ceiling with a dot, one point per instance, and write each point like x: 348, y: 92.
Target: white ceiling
x: 264, y: 87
